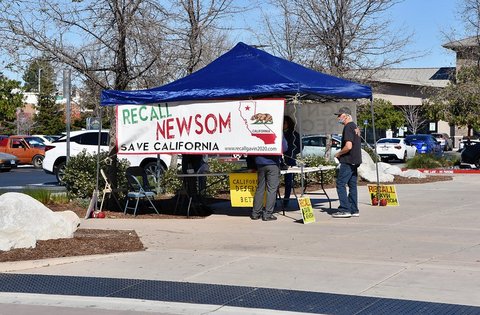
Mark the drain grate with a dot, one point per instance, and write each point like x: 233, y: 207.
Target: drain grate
x: 228, y: 295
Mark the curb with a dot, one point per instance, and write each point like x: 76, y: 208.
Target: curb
x: 450, y: 171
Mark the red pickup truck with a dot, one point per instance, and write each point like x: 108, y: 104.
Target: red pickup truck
x: 28, y: 151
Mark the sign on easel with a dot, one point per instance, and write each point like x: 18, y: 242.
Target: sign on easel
x: 386, y: 196
x: 91, y: 206
x: 306, y: 208
x: 242, y: 189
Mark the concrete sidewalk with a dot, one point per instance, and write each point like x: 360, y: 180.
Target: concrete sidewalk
x: 426, y: 249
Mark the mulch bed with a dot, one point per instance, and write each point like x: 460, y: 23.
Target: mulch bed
x: 84, y: 242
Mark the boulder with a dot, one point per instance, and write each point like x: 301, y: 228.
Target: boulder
x: 368, y: 171
x: 386, y: 172
x: 413, y: 174
x: 24, y: 220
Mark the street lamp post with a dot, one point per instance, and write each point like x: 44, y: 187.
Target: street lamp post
x: 39, y: 80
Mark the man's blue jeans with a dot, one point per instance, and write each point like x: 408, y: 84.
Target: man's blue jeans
x: 347, y: 176
x: 288, y: 179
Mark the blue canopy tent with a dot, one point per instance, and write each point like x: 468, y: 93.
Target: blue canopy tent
x: 242, y: 72
x: 246, y: 72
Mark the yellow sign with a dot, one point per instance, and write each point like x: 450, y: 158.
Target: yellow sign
x: 242, y: 189
x: 387, y: 195
x: 306, y: 209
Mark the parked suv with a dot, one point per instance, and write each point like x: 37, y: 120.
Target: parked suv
x: 56, y: 152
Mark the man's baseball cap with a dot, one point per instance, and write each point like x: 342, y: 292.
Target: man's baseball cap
x: 343, y: 110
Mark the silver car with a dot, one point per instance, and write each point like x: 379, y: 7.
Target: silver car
x: 316, y: 145
x: 7, y: 162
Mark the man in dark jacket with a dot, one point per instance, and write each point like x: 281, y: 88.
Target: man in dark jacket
x: 268, y: 171
x: 350, y: 158
x: 289, y: 157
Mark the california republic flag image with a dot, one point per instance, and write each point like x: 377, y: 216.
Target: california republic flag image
x: 257, y: 122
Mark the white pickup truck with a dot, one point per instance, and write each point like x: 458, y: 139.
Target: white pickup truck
x: 56, y: 153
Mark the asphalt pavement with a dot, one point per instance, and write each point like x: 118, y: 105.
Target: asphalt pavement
x: 422, y: 256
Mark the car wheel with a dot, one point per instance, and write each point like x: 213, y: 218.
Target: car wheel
x: 37, y: 161
x: 477, y: 164
x: 60, y: 172
x: 151, y: 170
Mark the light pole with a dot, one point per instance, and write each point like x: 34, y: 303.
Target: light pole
x: 39, y: 80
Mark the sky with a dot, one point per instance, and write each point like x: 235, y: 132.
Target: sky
x: 428, y: 19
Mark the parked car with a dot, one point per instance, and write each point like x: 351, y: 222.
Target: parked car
x: 316, y: 145
x: 24, y: 149
x: 395, y: 149
x: 466, y: 142
x: 47, y: 139
x: 56, y: 152
x: 425, y: 144
x: 445, y: 141
x: 34, y: 141
x: 470, y: 156
x: 7, y: 161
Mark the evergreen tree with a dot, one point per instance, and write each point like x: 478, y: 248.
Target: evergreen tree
x: 10, y: 100
x: 40, y: 69
x: 49, y: 119
x: 386, y: 115
x: 462, y: 99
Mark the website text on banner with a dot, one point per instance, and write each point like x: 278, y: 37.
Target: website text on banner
x: 209, y: 127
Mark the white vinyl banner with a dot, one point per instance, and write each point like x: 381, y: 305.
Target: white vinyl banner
x: 203, y: 127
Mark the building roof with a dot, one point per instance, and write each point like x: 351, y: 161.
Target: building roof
x: 473, y: 41
x: 432, y: 77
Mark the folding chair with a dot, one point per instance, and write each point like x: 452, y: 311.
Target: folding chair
x: 106, y: 190
x: 109, y: 190
x: 138, y: 190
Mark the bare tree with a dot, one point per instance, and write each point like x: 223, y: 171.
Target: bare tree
x: 197, y: 31
x: 414, y: 117
x: 109, y: 42
x: 282, y: 34
x: 349, y: 34
x: 470, y: 12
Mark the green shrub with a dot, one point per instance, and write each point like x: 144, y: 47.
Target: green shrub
x: 170, y: 181
x: 42, y: 195
x: 81, y: 170
x: 218, y: 185
x: 429, y: 161
x: 46, y: 196
x: 59, y: 197
x: 328, y: 176
x: 372, y: 153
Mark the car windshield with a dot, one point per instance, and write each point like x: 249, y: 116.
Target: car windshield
x: 319, y: 141
x: 417, y: 137
x: 35, y: 141
x: 388, y: 140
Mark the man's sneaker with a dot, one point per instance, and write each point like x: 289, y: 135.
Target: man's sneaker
x: 269, y: 218
x: 255, y: 217
x: 356, y: 214
x: 341, y: 215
